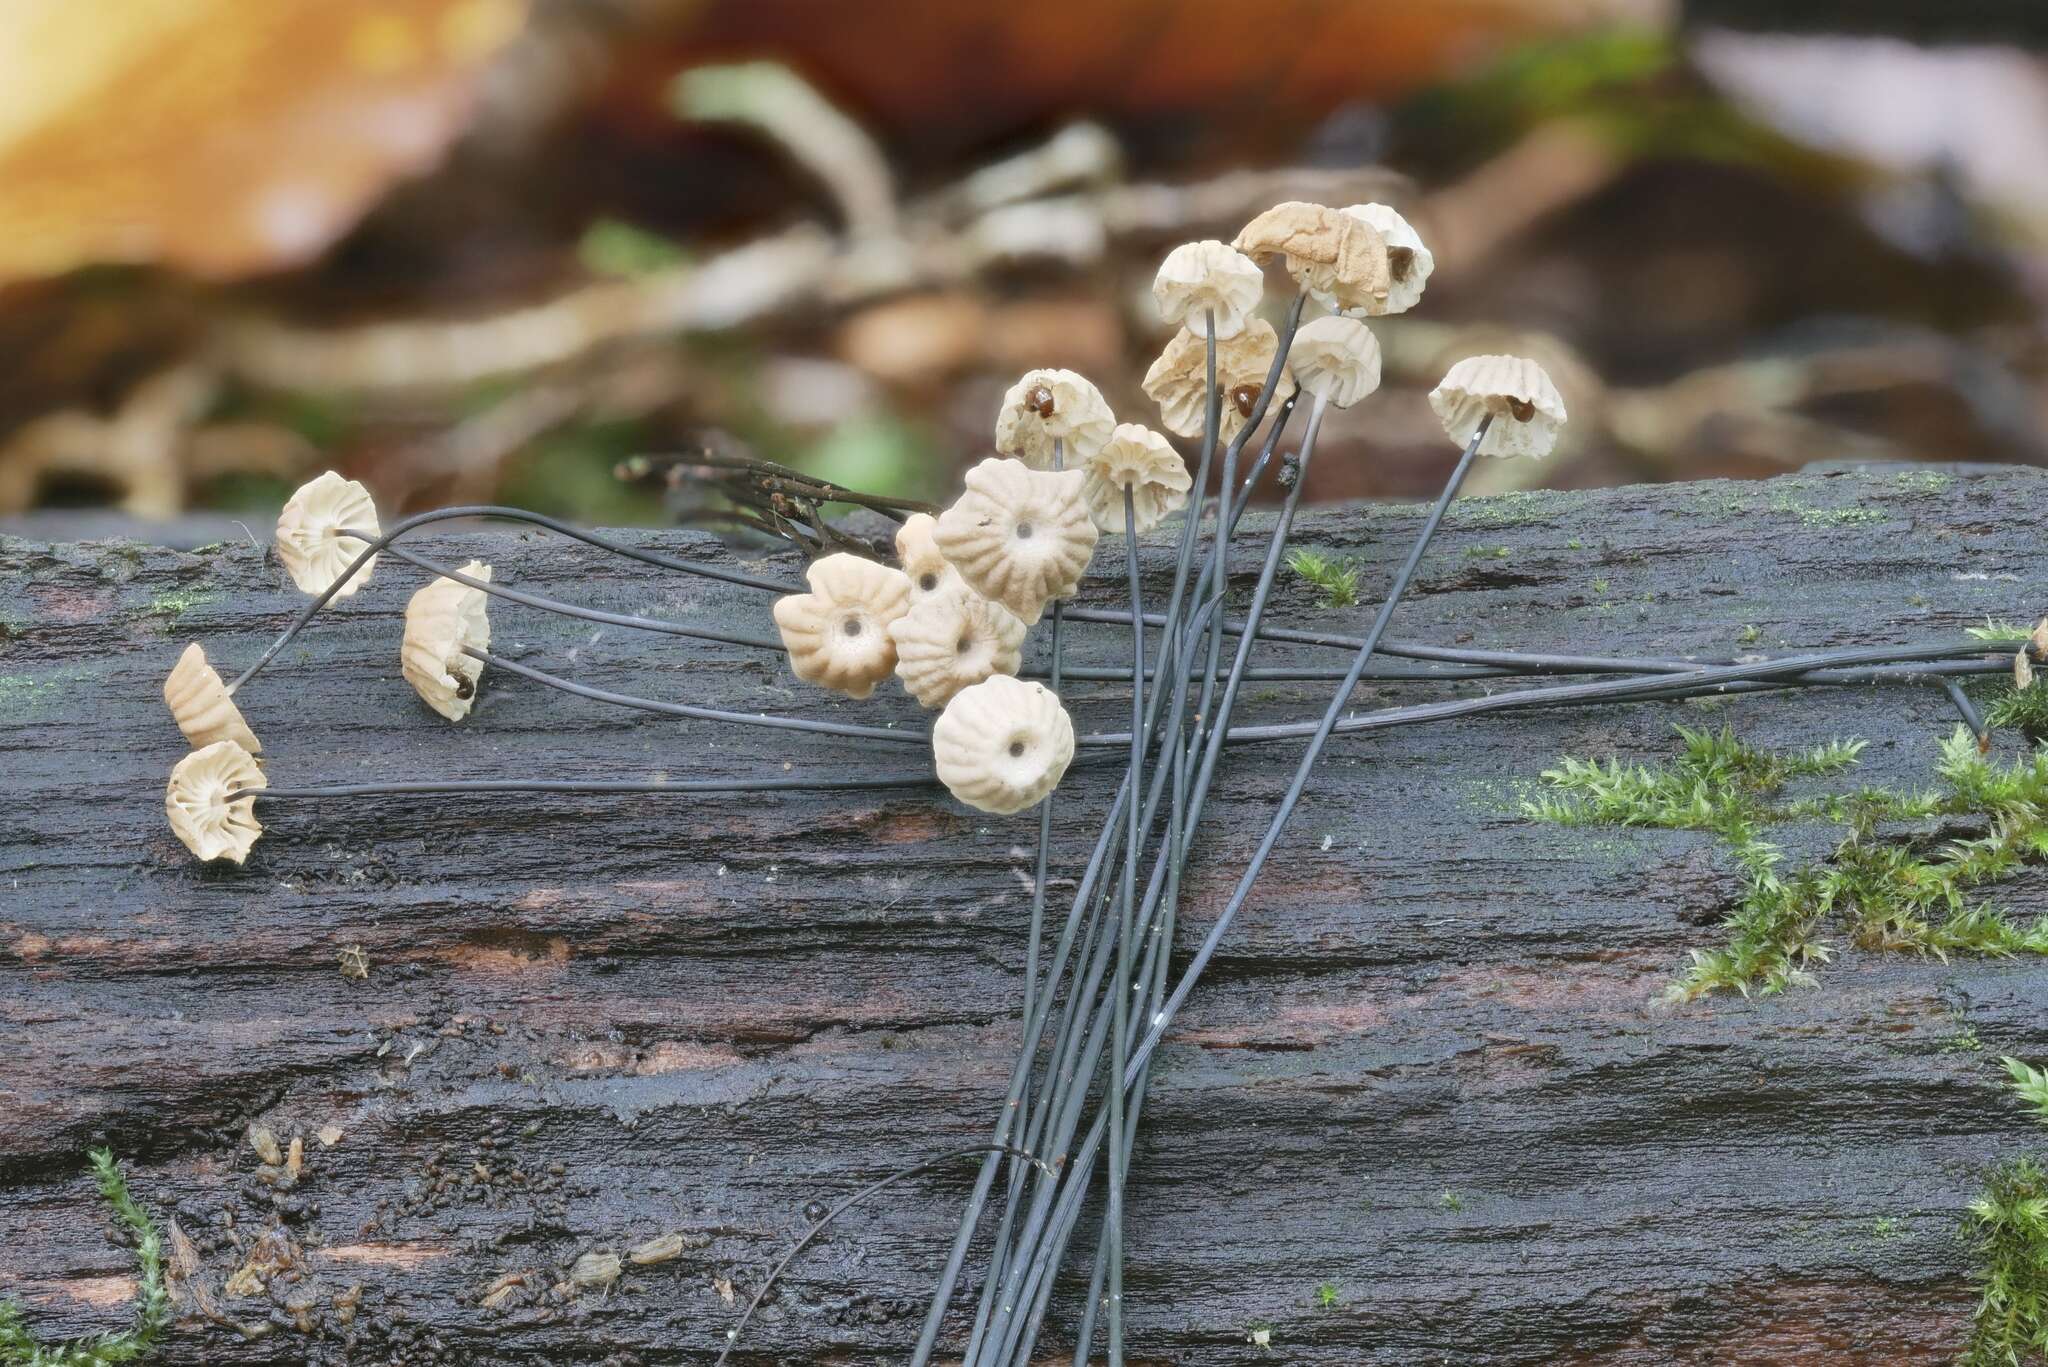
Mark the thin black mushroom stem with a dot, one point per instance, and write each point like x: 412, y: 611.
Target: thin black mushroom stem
x: 373, y: 545
x: 732, y: 1335
x: 684, y: 787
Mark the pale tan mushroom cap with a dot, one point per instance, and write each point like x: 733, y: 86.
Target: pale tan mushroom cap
x: 917, y: 551
x: 1526, y: 408
x: 200, y: 704
x: 307, y: 541
x: 196, y: 801
x: 1406, y: 275
x: 837, y: 635
x: 1138, y: 459
x: 1200, y: 278
x: 2022, y: 670
x: 440, y: 620
x: 1329, y: 254
x: 1018, y: 535
x: 1336, y: 358
x: 953, y: 639
x: 1079, y: 417
x: 1003, y: 744
x: 1178, y: 380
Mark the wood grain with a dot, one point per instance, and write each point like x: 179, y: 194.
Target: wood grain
x: 591, y: 1022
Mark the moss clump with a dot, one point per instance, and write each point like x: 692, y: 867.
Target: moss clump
x: 2007, y: 1232
x: 1887, y: 895
x: 19, y: 1348
x: 1336, y: 579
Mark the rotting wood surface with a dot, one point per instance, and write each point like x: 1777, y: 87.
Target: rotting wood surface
x: 1424, y: 1069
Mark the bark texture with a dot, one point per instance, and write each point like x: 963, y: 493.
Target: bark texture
x: 1424, y: 1070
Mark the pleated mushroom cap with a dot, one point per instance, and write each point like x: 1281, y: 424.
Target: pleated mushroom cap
x: 196, y: 801
x: 1053, y: 404
x: 1138, y: 459
x: 1179, y: 380
x: 309, y: 542
x: 1003, y: 744
x: 201, y: 706
x: 1018, y: 535
x: 1409, y: 262
x: 1200, y: 278
x: 1526, y: 408
x: 837, y: 635
x: 440, y: 620
x: 917, y: 551
x: 1330, y: 254
x: 1336, y: 359
x: 954, y: 639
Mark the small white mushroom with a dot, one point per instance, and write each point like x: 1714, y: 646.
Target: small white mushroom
x: 442, y: 619
x: 837, y: 635
x: 953, y: 639
x: 1049, y: 405
x: 1018, y: 535
x: 1200, y: 278
x: 1332, y: 255
x: 196, y: 801
x: 200, y: 704
x: 1337, y: 359
x: 917, y: 551
x: 2022, y: 670
x: 309, y: 539
x: 1003, y: 744
x: 1409, y: 263
x: 1526, y: 409
x: 1138, y: 459
x: 1179, y: 380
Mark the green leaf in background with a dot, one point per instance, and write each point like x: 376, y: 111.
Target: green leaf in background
x: 878, y: 453
x: 614, y: 248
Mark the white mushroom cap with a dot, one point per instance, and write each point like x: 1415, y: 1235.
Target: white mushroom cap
x: 1179, y: 380
x: 200, y: 704
x: 1003, y: 744
x: 196, y: 801
x: 1018, y: 535
x: 1332, y: 255
x: 441, y: 619
x: 1336, y: 358
x: 1053, y: 404
x: 1409, y: 263
x: 307, y: 533
x: 952, y: 639
x: 1526, y: 408
x: 1138, y: 459
x: 917, y: 550
x: 2022, y: 670
x: 1200, y: 278
x: 837, y: 635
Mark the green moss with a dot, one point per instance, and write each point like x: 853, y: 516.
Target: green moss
x: 2024, y: 710
x: 175, y: 604
x: 1486, y: 552
x: 1923, y: 481
x: 19, y: 1348
x: 1993, y: 630
x: 1336, y: 579
x: 1883, y: 894
x: 2007, y: 1233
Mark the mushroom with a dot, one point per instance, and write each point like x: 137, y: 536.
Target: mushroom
x: 1336, y: 359
x: 1200, y: 279
x: 309, y: 539
x: 1002, y: 744
x: 1138, y: 459
x: 1332, y: 255
x: 1052, y: 405
x: 952, y: 639
x: 1526, y: 409
x: 1179, y: 380
x: 918, y: 552
x: 1409, y: 263
x: 200, y: 704
x: 837, y: 635
x: 441, y: 621
x: 201, y: 814
x: 1018, y: 535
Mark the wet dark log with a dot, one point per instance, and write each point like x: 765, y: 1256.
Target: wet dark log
x: 1424, y: 1071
